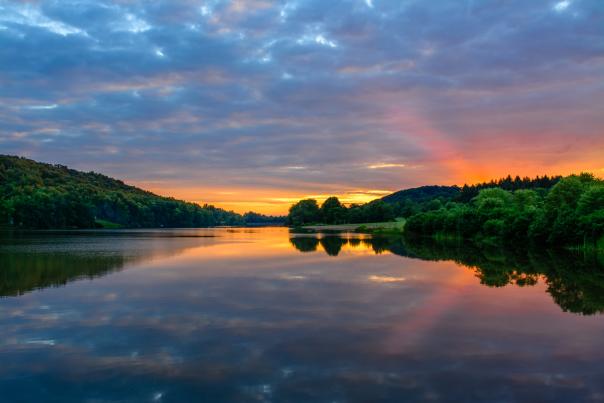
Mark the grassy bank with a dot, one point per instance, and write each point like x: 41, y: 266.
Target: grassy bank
x: 373, y: 227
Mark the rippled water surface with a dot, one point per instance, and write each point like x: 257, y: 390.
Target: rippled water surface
x: 264, y: 315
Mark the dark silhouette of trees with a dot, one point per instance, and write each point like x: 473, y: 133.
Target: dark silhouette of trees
x: 305, y: 244
x: 304, y: 212
x: 333, y: 244
x: 333, y: 212
x: 251, y: 218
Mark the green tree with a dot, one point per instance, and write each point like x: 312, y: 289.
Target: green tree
x: 492, y: 198
x: 526, y: 199
x: 304, y: 212
x: 591, y: 200
x: 378, y: 210
x: 333, y: 212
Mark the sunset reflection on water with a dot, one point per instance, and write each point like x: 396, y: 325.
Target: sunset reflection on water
x: 269, y: 315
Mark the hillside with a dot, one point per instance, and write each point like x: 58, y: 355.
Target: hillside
x: 38, y: 195
x: 423, y: 194
x: 466, y: 193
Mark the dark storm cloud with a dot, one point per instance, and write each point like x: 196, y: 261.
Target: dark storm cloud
x: 250, y: 88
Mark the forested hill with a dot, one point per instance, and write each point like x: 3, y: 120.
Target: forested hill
x: 423, y: 193
x: 466, y: 193
x: 38, y: 195
x: 409, y: 202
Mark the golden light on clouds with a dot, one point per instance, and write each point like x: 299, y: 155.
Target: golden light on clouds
x: 386, y: 166
x: 386, y: 279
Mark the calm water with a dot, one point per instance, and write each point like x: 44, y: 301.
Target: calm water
x: 263, y: 315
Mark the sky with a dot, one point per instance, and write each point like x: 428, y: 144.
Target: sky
x: 252, y: 105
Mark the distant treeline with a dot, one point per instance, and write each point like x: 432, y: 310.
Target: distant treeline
x: 37, y: 195
x: 251, y: 218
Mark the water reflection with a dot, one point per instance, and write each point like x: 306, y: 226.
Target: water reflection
x: 305, y: 244
x: 30, y: 261
x: 244, y: 316
x: 574, y: 280
x: 332, y: 244
x: 40, y: 259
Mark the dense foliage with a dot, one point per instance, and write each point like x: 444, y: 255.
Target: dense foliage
x: 404, y: 203
x: 409, y: 202
x: 333, y: 212
x: 36, y: 195
x: 571, y: 213
x: 423, y: 194
x: 539, y: 183
x: 548, y: 210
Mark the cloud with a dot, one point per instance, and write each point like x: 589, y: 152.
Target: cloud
x: 386, y: 166
x: 386, y: 279
x: 28, y: 15
x: 561, y: 6
x: 230, y: 93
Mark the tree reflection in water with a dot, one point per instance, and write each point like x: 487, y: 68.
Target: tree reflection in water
x: 575, y: 280
x: 36, y: 260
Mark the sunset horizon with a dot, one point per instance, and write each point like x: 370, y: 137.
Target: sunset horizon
x: 254, y: 105
x: 277, y: 202
x: 240, y: 200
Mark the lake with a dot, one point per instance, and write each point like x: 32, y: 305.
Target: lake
x: 265, y: 315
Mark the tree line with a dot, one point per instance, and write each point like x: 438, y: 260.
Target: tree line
x: 406, y: 203
x: 44, y: 196
x: 571, y: 213
x: 545, y: 210
x: 332, y: 211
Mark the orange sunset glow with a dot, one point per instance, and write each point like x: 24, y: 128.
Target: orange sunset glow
x: 301, y: 201
x: 255, y: 105
x: 276, y: 202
